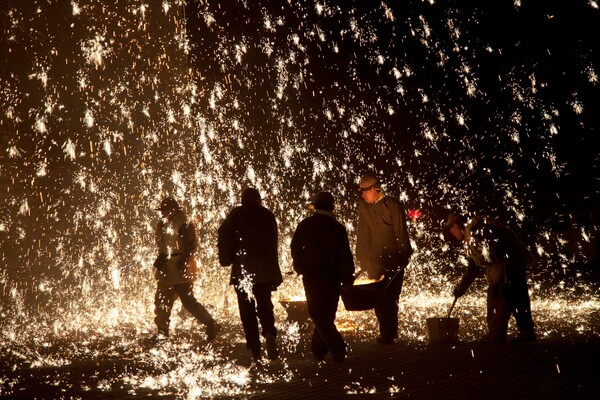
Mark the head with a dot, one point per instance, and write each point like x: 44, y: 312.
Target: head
x: 168, y: 206
x: 370, y: 188
x: 454, y: 228
x: 250, y: 195
x: 324, y: 201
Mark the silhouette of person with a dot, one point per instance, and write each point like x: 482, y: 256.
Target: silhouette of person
x: 321, y: 254
x: 176, y: 270
x: 248, y: 239
x: 495, y: 249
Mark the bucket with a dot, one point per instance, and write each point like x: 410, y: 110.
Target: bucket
x: 297, y: 311
x: 443, y: 329
x: 359, y: 297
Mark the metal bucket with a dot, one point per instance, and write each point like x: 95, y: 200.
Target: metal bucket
x: 297, y: 311
x: 359, y: 297
x: 443, y: 329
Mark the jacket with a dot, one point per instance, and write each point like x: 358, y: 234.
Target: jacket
x: 248, y: 240
x: 320, y: 248
x: 382, y: 242
x: 177, y: 243
x: 494, y: 248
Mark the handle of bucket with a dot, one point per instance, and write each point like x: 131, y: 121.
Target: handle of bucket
x: 452, y: 306
x: 393, y: 279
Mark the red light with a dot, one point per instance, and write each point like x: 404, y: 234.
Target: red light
x: 414, y: 214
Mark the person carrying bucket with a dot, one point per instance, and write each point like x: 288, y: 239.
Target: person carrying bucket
x: 494, y: 248
x: 321, y: 254
x: 383, y: 249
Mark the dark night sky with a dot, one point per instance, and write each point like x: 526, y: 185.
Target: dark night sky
x: 461, y: 105
x: 540, y: 45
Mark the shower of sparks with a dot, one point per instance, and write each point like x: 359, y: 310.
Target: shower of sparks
x: 106, y: 108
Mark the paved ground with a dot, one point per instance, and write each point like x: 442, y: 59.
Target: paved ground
x: 553, y: 368
x: 560, y: 367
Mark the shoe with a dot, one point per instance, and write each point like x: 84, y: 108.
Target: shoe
x: 385, y: 340
x: 272, y: 351
x: 338, y: 358
x: 211, y: 331
x: 158, y: 338
x: 256, y: 355
x: 524, y: 336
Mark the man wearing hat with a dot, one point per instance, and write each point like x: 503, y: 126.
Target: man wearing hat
x: 321, y: 254
x: 495, y: 249
x: 248, y: 239
x: 383, y: 249
x: 176, y: 270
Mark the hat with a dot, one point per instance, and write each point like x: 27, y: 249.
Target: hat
x: 168, y: 203
x: 324, y: 201
x: 453, y: 219
x: 249, y: 195
x: 369, y: 181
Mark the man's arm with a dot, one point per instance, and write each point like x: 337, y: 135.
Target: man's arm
x: 467, y: 279
x: 398, y: 217
x: 363, y: 239
x: 190, y: 243
x: 346, y: 261
x: 225, y: 240
x: 296, y: 247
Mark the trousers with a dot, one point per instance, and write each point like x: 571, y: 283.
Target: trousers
x: 505, y: 298
x: 322, y: 297
x: 255, y: 308
x: 165, y: 296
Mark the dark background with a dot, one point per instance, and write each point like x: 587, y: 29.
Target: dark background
x: 530, y: 64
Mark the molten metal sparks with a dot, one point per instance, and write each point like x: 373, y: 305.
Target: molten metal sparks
x: 107, y: 108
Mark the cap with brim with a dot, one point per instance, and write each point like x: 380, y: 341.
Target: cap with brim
x: 369, y: 181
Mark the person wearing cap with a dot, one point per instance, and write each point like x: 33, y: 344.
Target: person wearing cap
x: 248, y: 240
x: 176, y: 270
x: 495, y: 249
x: 383, y: 249
x: 321, y: 254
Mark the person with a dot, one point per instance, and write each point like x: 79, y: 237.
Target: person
x: 494, y: 248
x: 321, y: 254
x: 176, y: 269
x: 248, y: 239
x: 383, y: 249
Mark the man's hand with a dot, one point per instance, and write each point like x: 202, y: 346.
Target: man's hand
x: 160, y: 261
x: 459, y: 291
x: 181, y: 262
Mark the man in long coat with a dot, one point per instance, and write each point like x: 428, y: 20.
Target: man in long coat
x: 383, y: 249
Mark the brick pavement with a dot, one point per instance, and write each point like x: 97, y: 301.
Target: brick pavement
x: 553, y: 368
x: 563, y: 366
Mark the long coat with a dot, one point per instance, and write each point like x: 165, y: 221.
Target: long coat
x: 382, y: 242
